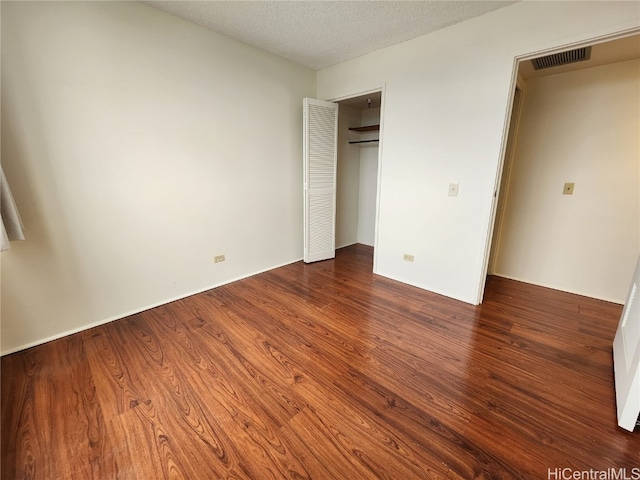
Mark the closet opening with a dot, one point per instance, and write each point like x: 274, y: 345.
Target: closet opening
x: 358, y: 157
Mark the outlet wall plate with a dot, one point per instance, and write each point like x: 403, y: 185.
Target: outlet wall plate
x: 568, y: 188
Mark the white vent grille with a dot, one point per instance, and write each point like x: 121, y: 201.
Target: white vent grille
x: 562, y: 58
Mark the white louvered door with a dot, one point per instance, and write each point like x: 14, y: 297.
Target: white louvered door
x: 319, y: 170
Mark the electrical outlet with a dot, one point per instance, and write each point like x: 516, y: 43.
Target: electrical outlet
x: 453, y: 189
x: 218, y: 258
x: 407, y: 258
x: 568, y: 189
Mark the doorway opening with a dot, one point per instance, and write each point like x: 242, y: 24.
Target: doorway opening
x: 574, y: 128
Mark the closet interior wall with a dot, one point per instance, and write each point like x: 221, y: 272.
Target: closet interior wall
x: 356, y: 177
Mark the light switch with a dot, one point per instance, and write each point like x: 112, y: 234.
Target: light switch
x: 453, y: 189
x: 568, y: 189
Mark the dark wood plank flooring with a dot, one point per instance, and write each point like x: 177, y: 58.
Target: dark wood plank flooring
x: 323, y: 371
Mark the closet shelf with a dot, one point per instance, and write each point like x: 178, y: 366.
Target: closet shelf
x: 369, y: 128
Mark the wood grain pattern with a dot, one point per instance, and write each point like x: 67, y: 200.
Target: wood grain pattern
x: 323, y: 371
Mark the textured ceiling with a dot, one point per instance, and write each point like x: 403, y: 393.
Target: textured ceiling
x: 318, y: 34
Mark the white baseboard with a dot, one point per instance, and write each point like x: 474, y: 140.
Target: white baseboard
x: 133, y: 312
x: 561, y: 289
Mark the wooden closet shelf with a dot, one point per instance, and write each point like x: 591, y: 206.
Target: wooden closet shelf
x: 369, y: 128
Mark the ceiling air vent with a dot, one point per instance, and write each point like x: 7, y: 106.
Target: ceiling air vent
x: 563, y: 58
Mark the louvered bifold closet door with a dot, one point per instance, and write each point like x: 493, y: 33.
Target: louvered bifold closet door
x: 320, y: 160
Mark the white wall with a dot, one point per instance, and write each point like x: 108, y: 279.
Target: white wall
x: 138, y: 146
x: 348, y: 172
x: 368, y: 181
x: 446, y: 101
x: 580, y: 127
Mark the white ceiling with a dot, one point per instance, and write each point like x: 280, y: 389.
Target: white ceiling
x: 318, y: 34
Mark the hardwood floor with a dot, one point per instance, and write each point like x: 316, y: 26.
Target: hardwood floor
x: 324, y: 371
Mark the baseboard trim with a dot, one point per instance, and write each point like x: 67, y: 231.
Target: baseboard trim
x: 134, y: 312
x: 560, y: 289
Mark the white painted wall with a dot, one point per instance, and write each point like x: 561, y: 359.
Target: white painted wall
x: 446, y: 102
x: 348, y: 182
x: 138, y: 146
x: 368, y: 180
x: 580, y: 127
